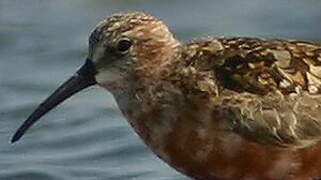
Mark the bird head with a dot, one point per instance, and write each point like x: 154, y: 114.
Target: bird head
x: 125, y: 44
x: 120, y: 47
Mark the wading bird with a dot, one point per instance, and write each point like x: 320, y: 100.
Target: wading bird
x: 215, y: 108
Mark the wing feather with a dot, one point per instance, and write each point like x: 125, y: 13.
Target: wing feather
x: 271, y: 88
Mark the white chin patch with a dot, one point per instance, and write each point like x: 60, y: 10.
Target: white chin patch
x: 109, y: 80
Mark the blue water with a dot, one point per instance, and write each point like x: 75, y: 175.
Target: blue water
x: 86, y: 138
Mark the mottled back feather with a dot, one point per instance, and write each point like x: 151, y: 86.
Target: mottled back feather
x: 272, y: 87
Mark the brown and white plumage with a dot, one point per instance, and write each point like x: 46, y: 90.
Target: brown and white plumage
x: 273, y: 86
x: 216, y: 108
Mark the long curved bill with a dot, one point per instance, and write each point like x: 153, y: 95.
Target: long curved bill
x: 82, y: 79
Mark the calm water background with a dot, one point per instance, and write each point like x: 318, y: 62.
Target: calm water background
x: 43, y: 42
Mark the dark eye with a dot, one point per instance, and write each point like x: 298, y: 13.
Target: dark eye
x: 124, y: 45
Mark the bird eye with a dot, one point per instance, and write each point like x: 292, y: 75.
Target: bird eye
x: 124, y: 45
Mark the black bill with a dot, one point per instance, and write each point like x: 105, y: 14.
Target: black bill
x: 84, y: 78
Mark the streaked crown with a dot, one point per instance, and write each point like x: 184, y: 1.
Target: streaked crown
x: 151, y: 39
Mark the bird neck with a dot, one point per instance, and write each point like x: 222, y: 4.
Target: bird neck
x: 151, y: 67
